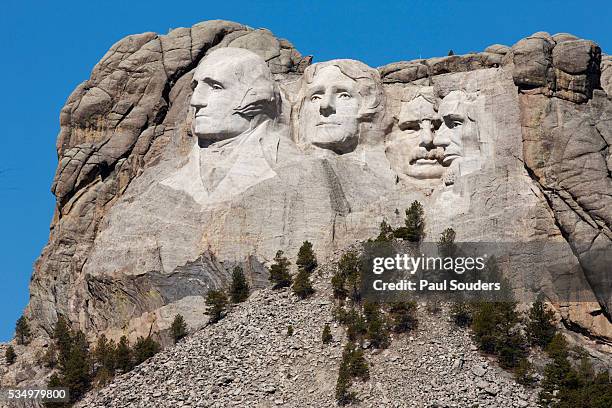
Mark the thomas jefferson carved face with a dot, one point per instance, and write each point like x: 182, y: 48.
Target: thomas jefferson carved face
x: 231, y: 88
x: 337, y: 96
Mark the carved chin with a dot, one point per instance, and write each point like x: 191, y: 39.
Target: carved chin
x: 335, y: 139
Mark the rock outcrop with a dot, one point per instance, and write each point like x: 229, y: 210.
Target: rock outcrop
x: 507, y: 145
x: 247, y: 360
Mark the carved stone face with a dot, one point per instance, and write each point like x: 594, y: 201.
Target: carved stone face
x: 231, y: 86
x: 416, y: 150
x: 455, y: 126
x: 330, y: 111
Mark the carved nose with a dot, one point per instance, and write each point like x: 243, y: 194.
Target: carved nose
x: 327, y: 106
x: 199, y: 98
x: 441, y: 137
x: 426, y: 134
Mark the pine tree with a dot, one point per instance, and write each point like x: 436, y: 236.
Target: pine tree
x: 239, y: 288
x: 415, y: 222
x: 178, y: 328
x: 402, y: 316
x: 446, y: 243
x: 540, y: 327
x: 145, y: 348
x: 306, y: 258
x: 349, y: 276
x: 104, y: 354
x: 10, y: 355
x: 385, y: 232
x: 326, y: 336
x: 461, y: 313
x: 301, y: 285
x: 62, y: 336
x: 279, y: 272
x: 75, y: 373
x: 289, y: 330
x: 451, y: 53
x: 216, y: 300
x: 124, y: 359
x: 377, y: 330
x: 22, y: 331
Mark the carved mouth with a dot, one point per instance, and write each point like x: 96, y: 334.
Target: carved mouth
x: 427, y: 162
x: 327, y: 124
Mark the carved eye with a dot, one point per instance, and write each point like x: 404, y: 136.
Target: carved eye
x: 216, y: 87
x: 315, y: 97
x: 344, y: 95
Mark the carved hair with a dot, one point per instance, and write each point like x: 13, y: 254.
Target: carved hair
x: 262, y: 96
x: 368, y: 81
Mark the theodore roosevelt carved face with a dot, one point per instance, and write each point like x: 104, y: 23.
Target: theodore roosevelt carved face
x: 233, y: 91
x: 337, y: 97
x: 434, y: 139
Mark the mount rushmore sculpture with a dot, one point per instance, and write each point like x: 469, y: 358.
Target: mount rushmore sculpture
x: 218, y: 144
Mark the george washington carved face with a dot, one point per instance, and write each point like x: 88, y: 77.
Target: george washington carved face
x: 233, y: 90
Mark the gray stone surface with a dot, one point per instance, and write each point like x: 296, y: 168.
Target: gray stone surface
x: 148, y: 219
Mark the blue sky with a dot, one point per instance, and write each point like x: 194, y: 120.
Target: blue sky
x: 50, y: 47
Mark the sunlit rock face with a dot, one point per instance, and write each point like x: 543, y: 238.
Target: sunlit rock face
x: 188, y: 153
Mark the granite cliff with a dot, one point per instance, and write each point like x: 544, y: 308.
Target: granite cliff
x: 507, y: 145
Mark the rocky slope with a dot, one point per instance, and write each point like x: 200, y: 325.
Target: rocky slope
x: 247, y: 360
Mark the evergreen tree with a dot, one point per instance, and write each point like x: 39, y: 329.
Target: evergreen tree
x: 22, y: 331
x: 377, y: 331
x: 356, y: 326
x: 290, y: 330
x: 306, y: 258
x: 461, y: 313
x: 124, y: 359
x: 355, y: 362
x: 403, y: 316
x: 385, y: 232
x: 10, y: 355
x: 344, y: 396
x: 279, y: 272
x: 496, y: 332
x: 524, y: 373
x: 446, y: 243
x: 540, y: 327
x: 75, y: 373
x: 216, y: 300
x: 145, y: 348
x: 349, y: 277
x: 104, y: 354
x: 178, y: 328
x: 62, y: 336
x: 451, y: 53
x: 301, y: 285
x: 239, y: 288
x: 414, y: 224
x: 326, y: 336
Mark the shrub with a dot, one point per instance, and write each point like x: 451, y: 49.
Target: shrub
x: 216, y: 302
x: 403, y: 316
x: 385, y: 232
x: 290, y: 330
x: 306, y: 258
x: 124, y: 359
x: 178, y: 328
x: 461, y: 313
x: 279, y: 272
x: 10, y: 355
x: 301, y: 285
x: 145, y: 348
x: 239, y: 288
x: 524, y: 373
x: 541, y: 325
x: 326, y: 336
x: 22, y: 331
